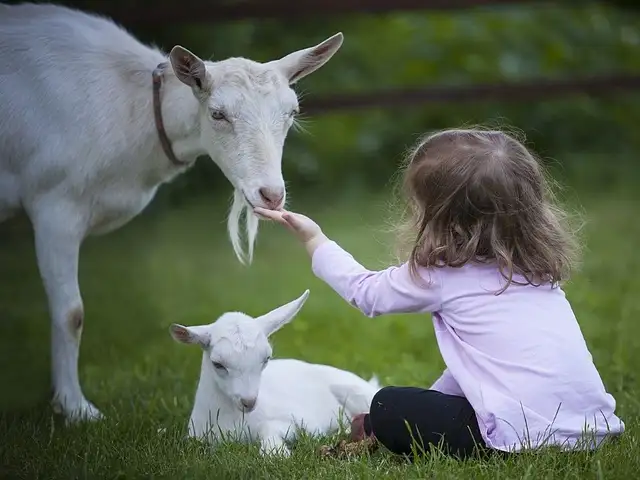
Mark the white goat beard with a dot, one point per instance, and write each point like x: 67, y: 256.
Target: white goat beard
x: 250, y: 226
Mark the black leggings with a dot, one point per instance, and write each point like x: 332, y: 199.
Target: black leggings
x: 408, y: 419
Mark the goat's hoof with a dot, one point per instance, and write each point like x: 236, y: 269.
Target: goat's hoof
x: 84, y: 412
x: 281, y: 451
x: 284, y: 452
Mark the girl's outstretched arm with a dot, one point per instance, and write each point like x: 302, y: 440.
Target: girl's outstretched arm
x: 391, y: 290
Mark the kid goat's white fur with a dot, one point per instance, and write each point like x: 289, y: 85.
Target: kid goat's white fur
x: 243, y: 395
x: 81, y: 153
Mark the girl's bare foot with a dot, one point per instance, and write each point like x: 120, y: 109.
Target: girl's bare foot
x: 358, y: 432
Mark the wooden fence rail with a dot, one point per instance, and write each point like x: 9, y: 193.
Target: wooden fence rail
x: 520, y: 91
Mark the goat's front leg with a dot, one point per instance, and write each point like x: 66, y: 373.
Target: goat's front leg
x: 58, y: 235
x: 272, y: 440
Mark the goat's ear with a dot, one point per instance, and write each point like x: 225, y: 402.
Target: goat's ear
x: 189, y: 68
x: 301, y: 63
x: 275, y: 319
x: 190, y: 335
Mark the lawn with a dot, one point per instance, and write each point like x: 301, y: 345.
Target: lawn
x: 177, y: 266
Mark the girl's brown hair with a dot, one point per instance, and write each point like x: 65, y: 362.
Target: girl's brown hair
x: 481, y: 196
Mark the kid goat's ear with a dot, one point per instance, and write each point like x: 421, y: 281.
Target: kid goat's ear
x: 190, y: 335
x: 301, y: 63
x: 189, y: 68
x: 275, y: 319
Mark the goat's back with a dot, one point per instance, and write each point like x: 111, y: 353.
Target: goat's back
x: 68, y: 81
x: 294, y: 388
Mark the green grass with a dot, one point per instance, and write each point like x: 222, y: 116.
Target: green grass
x: 176, y: 266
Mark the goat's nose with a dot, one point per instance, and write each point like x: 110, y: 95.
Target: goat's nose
x: 248, y: 403
x: 272, y: 197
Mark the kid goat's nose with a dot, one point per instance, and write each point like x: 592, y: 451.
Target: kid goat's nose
x: 248, y: 403
x: 272, y: 197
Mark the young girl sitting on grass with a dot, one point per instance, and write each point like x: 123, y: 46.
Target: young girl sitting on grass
x: 489, y: 251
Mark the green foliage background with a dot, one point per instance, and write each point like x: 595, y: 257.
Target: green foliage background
x: 514, y: 43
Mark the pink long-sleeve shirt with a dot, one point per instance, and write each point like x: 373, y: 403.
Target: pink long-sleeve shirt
x: 519, y: 358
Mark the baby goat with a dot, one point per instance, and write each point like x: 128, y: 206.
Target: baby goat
x: 244, y: 394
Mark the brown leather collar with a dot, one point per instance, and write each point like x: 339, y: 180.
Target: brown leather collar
x: 157, y: 112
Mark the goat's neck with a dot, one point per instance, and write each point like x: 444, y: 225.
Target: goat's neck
x: 180, y: 111
x: 180, y: 117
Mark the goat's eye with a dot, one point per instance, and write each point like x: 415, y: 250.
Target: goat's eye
x: 218, y: 115
x: 219, y: 366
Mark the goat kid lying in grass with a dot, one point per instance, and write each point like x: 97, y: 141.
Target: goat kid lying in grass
x: 244, y: 395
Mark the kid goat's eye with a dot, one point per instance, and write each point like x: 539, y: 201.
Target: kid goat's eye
x: 219, y: 366
x: 218, y: 115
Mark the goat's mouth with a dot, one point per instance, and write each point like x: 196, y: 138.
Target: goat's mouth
x: 246, y: 410
x: 252, y: 206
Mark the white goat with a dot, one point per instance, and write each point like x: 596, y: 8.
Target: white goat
x: 243, y: 395
x: 86, y: 114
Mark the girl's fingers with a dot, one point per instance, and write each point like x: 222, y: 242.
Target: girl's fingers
x: 270, y: 215
x: 292, y: 229
x: 287, y: 217
x: 263, y: 212
x: 277, y: 217
x: 293, y: 221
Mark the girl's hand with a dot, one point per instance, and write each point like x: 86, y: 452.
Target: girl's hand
x: 307, y: 231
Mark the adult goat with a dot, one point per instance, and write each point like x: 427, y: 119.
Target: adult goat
x: 92, y: 122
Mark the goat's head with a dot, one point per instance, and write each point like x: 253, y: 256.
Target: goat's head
x: 246, y: 109
x: 236, y: 349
